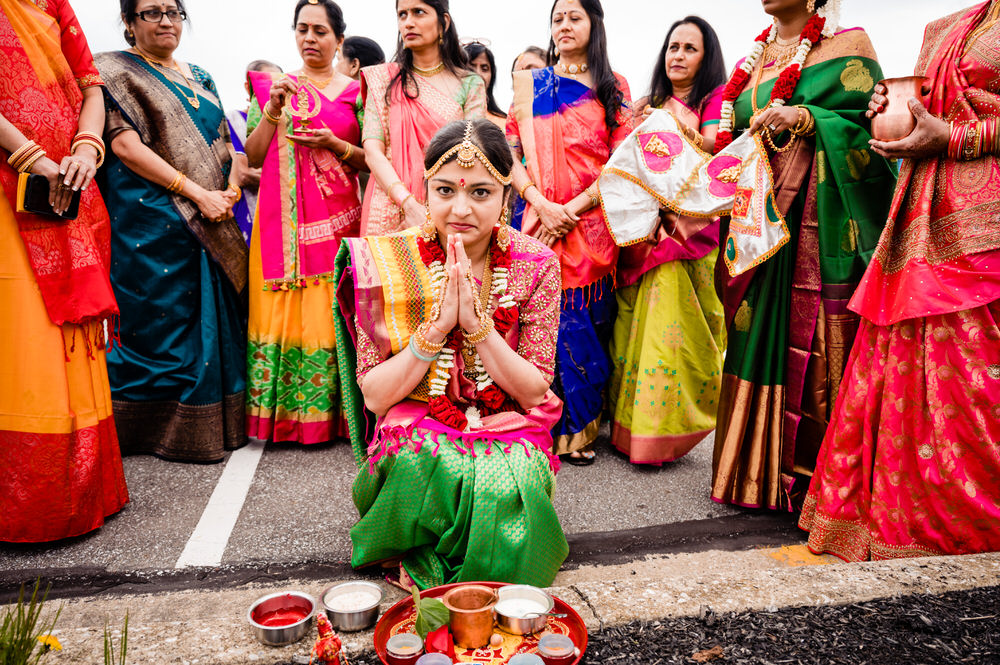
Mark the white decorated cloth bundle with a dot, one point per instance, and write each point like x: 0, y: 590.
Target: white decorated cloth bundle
x: 658, y: 167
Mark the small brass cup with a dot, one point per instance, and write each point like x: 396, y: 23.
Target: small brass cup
x: 471, y: 614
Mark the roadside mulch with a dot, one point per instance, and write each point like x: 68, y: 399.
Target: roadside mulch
x: 958, y: 627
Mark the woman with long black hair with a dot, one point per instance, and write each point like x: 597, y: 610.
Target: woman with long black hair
x: 427, y: 85
x: 669, y: 315
x: 565, y: 122
x: 482, y: 62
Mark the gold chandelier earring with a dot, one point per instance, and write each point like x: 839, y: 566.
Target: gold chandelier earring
x: 427, y: 229
x: 503, y: 230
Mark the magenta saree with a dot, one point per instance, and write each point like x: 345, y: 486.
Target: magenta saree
x: 910, y: 462
x: 308, y: 203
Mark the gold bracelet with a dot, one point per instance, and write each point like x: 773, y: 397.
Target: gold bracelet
x: 422, y: 344
x: 28, y: 162
x: 18, y: 154
x: 525, y: 187
x: 25, y: 157
x: 177, y: 184
x: 235, y: 190
x: 479, y: 336
x: 595, y: 200
x: 347, y: 153
x: 388, y: 191
x: 274, y: 120
x: 99, y: 147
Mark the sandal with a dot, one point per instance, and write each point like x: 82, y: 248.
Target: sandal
x: 581, y: 458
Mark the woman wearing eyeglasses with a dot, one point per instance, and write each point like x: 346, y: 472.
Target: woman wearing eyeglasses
x: 60, y: 466
x: 426, y: 86
x: 180, y: 262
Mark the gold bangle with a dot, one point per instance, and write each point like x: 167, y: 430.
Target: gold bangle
x: 99, y: 147
x: 525, y: 187
x: 30, y: 160
x: 595, y: 199
x: 177, y: 184
x: 347, y: 153
x: 18, y: 154
x: 235, y: 190
x: 479, y: 336
x: 92, y: 136
x: 388, y: 190
x: 274, y: 120
x: 25, y: 157
x: 423, y: 345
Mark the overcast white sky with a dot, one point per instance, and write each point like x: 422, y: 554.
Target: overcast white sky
x: 224, y: 35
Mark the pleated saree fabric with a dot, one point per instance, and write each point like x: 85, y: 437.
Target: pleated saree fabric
x: 910, y: 464
x: 454, y: 506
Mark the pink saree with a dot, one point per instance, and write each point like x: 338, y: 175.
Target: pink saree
x: 308, y: 198
x: 406, y: 126
x: 910, y: 462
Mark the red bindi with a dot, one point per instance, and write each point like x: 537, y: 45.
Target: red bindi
x: 462, y: 183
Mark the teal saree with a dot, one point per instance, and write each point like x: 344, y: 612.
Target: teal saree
x: 178, y: 378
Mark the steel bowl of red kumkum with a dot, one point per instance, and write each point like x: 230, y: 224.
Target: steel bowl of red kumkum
x: 281, y: 618
x: 352, y: 606
x: 523, y: 609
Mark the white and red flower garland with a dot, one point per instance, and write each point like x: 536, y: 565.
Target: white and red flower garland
x: 784, y: 87
x: 490, y: 398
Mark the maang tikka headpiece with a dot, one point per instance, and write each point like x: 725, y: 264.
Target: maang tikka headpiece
x: 467, y: 153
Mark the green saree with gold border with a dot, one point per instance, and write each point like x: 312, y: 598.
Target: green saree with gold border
x: 789, y: 328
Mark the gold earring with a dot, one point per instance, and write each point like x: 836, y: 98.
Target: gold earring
x: 810, y: 6
x: 427, y: 228
x: 503, y: 230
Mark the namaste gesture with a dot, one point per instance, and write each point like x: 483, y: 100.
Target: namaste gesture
x: 459, y: 300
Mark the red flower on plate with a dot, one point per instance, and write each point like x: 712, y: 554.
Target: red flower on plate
x: 440, y: 641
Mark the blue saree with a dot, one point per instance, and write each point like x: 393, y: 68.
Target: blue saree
x: 558, y: 126
x: 178, y: 378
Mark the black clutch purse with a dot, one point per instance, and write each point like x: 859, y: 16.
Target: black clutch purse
x: 33, y: 196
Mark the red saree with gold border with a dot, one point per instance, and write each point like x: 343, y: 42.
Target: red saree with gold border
x: 910, y: 463
x: 60, y: 466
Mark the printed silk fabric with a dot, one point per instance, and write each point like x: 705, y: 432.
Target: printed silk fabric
x: 45, y: 63
x: 940, y: 251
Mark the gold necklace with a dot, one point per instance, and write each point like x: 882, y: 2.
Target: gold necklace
x: 436, y: 69
x: 781, y: 54
x: 193, y: 99
x: 319, y: 85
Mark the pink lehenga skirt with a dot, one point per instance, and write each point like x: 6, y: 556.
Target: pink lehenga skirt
x: 911, y: 460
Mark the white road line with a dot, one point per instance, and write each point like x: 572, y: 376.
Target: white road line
x: 208, y: 542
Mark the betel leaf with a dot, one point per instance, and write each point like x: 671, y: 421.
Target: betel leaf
x: 431, y: 614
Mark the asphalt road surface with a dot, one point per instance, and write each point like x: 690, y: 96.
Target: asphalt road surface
x: 290, y: 506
